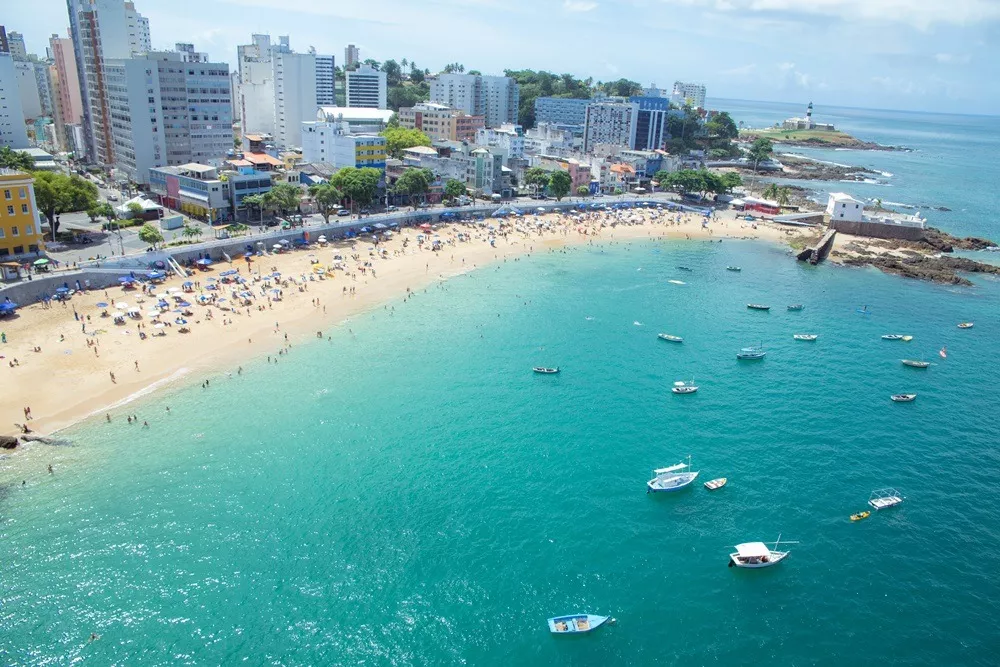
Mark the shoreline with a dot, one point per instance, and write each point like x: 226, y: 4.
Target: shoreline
x: 84, y: 389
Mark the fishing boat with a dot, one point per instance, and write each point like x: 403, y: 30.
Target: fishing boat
x: 671, y: 478
x: 903, y: 398
x: 714, y: 484
x: 672, y: 339
x: 758, y: 306
x: 755, y: 555
x: 906, y: 339
x: 545, y: 371
x: 860, y: 515
x: 805, y: 336
x: 733, y: 268
x: 892, y: 336
x: 966, y: 325
x: 684, y: 387
x: 751, y: 352
x: 577, y: 623
x: 796, y: 306
x: 915, y: 364
x: 881, y: 499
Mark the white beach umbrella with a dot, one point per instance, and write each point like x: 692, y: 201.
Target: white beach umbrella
x: 159, y: 325
x: 121, y: 305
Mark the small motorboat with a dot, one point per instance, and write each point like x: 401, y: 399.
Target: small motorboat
x: 684, y: 387
x: 906, y: 339
x: 672, y: 339
x: 714, y: 484
x: 966, y: 325
x: 805, y: 336
x: 752, y: 352
x: 677, y: 282
x: 860, y: 515
x: 577, y: 623
x: 733, y: 268
x: 755, y: 555
x: 881, y: 499
x: 913, y: 363
x: 892, y: 336
x: 758, y: 306
x: 903, y: 398
x: 672, y: 478
x: 545, y: 371
x: 796, y: 306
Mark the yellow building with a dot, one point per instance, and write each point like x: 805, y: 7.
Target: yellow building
x: 20, y: 229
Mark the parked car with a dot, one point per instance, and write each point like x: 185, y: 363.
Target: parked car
x: 343, y: 212
x: 112, y: 197
x: 390, y: 209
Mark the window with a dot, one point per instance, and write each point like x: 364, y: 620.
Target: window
x: 6, y: 194
x: 22, y: 193
x: 28, y: 230
x: 24, y: 208
x: 2, y: 233
x: 13, y: 231
x: 10, y: 209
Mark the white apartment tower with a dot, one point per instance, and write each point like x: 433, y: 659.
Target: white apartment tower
x: 352, y: 56
x: 612, y: 123
x: 102, y: 30
x: 278, y: 88
x: 12, y: 132
x: 691, y: 94
x: 494, y: 97
x: 366, y: 88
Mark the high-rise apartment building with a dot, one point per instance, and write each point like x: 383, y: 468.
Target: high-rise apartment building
x: 352, y: 56
x: 278, y: 88
x: 494, y: 97
x: 561, y: 111
x: 15, y: 45
x: 610, y: 122
x: 102, y: 30
x: 12, y: 132
x: 688, y: 94
x: 168, y: 109
x: 366, y: 88
x: 652, y: 129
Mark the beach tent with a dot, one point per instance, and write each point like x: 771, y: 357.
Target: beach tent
x: 126, y: 280
x: 204, y: 261
x: 7, y: 307
x: 41, y: 262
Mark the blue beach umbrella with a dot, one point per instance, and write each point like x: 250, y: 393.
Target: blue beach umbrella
x: 7, y: 307
x: 101, y: 304
x: 62, y: 290
x: 184, y: 304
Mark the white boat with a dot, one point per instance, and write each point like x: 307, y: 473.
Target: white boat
x: 892, y: 336
x: 880, y: 499
x: 758, y: 306
x: 755, y: 555
x: 672, y: 339
x: 577, y: 623
x: 714, y: 484
x: 671, y: 478
x: 903, y: 398
x: 966, y: 325
x: 684, y: 387
x: 805, y: 336
x: 796, y: 306
x: 751, y: 352
x: 545, y: 371
x: 677, y: 282
x: 733, y: 268
x: 915, y: 364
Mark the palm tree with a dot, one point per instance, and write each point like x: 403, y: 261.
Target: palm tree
x: 771, y: 192
x: 783, y: 196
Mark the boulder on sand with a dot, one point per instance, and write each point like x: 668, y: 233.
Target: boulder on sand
x: 7, y: 442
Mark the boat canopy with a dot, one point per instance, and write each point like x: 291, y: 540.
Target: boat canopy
x: 679, y: 466
x: 752, y: 550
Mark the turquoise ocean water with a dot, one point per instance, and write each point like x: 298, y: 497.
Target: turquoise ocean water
x: 410, y: 493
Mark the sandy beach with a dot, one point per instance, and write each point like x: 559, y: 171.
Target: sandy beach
x: 72, y: 363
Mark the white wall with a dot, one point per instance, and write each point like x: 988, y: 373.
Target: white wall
x: 12, y: 132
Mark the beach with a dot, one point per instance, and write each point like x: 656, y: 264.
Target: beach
x: 84, y: 367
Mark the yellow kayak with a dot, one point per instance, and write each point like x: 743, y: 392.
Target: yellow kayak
x: 860, y: 515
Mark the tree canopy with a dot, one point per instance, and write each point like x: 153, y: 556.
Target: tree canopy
x: 454, y: 188
x: 18, y: 160
x: 415, y: 183
x: 327, y: 198
x: 358, y: 185
x: 283, y: 197
x: 393, y: 73
x: 560, y: 183
x: 399, y: 138
x: 760, y: 150
x: 620, y: 88
x: 544, y: 84
x: 59, y: 193
x: 536, y: 177
x: 722, y: 126
x: 699, y: 181
x: 148, y: 233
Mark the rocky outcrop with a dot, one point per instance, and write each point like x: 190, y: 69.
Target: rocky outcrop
x: 8, y: 442
x: 943, y: 270
x: 943, y: 242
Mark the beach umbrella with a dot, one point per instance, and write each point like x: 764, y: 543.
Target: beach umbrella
x: 62, y: 290
x: 204, y: 261
x: 184, y: 304
x: 379, y: 225
x: 275, y: 275
x: 221, y: 300
x: 7, y: 307
x: 153, y: 313
x: 212, y: 286
x: 125, y: 280
x: 41, y: 262
x: 101, y: 304
x: 121, y: 305
x: 159, y: 325
x: 425, y: 226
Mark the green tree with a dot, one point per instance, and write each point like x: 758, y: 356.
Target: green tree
x: 255, y: 201
x: 784, y: 196
x: 454, y: 188
x: 94, y: 212
x: 770, y: 192
x: 393, y: 73
x: 399, y: 138
x: 148, y: 233
x: 722, y: 125
x: 684, y: 180
x: 284, y: 197
x: 191, y: 232
x: 393, y: 121
x: 327, y: 199
x: 731, y: 180
x: 134, y: 210
x: 454, y: 68
x: 358, y: 185
x: 59, y: 193
x: 107, y: 210
x: 415, y: 183
x: 18, y: 160
x: 407, y: 94
x: 416, y: 75
x: 536, y: 178
x: 371, y: 62
x: 760, y: 150
x: 621, y: 88
x: 583, y: 191
x: 560, y: 183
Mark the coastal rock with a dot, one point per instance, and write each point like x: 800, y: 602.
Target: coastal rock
x: 943, y: 270
x: 8, y: 442
x: 45, y: 440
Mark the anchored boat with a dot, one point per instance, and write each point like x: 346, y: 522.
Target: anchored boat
x: 805, y: 336
x: 733, y: 268
x: 796, y: 306
x: 755, y: 555
x: 903, y: 398
x: 966, y: 325
x: 672, y: 339
x: 913, y: 363
x: 751, y: 352
x: 881, y: 499
x: 545, y: 371
x: 681, y: 387
x: 758, y: 306
x: 892, y: 337
x: 577, y: 623
x: 672, y: 478
x: 714, y: 484
x: 860, y: 515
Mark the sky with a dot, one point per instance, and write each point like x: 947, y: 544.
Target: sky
x: 917, y: 55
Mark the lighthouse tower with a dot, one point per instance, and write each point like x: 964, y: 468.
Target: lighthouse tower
x: 809, y: 116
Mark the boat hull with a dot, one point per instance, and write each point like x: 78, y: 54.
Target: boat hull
x: 915, y: 364
x: 576, y: 624
x: 775, y: 558
x: 677, y: 483
x: 715, y: 484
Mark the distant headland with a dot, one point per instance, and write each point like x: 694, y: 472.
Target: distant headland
x: 807, y: 132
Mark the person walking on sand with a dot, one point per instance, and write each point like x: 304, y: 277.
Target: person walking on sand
x: 111, y: 373
x: 137, y: 366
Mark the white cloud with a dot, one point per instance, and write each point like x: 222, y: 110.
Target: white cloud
x: 579, y: 5
x: 953, y: 58
x: 899, y: 86
x: 793, y: 78
x: 918, y: 13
